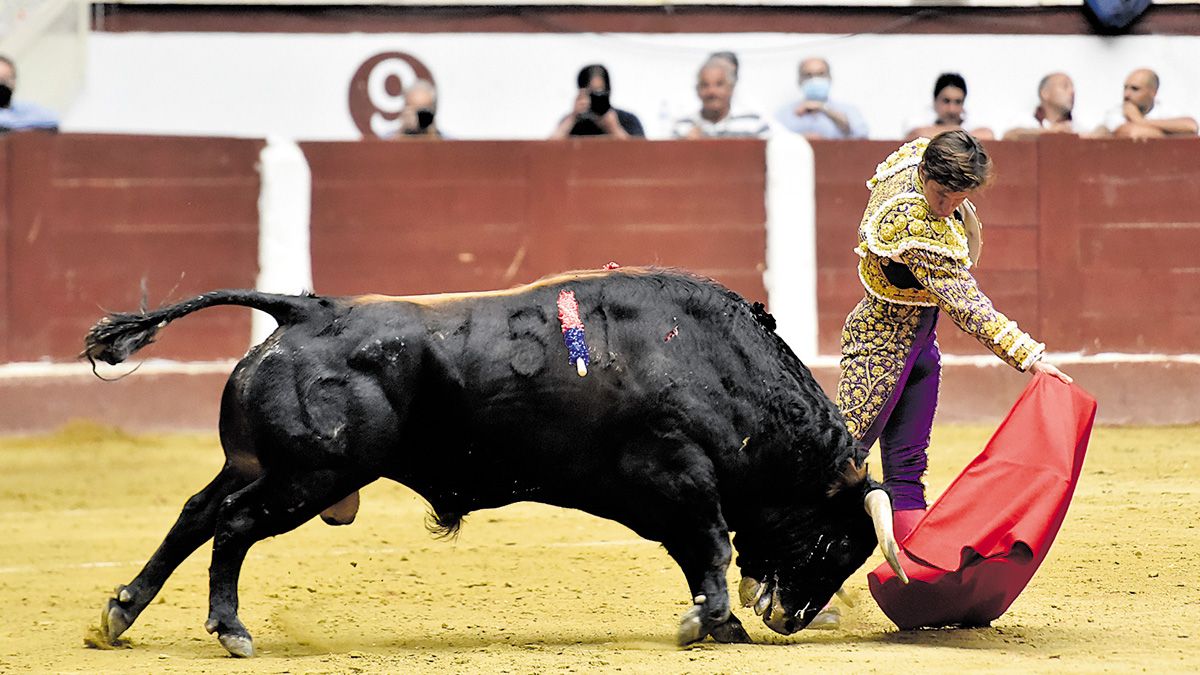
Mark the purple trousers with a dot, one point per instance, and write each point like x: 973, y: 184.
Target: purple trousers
x: 903, y: 426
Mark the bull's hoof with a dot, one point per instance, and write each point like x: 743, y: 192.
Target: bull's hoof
x: 731, y: 632
x: 343, y: 512
x: 115, y: 619
x: 233, y: 636
x: 240, y: 646
x: 701, y: 620
x: 829, y: 618
x: 691, y: 627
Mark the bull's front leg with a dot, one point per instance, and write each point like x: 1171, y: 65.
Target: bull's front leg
x: 669, y: 494
x: 704, y: 560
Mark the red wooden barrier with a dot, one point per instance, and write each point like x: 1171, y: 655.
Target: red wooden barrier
x: 420, y: 217
x: 1120, y: 231
x: 92, y: 218
x: 5, y: 200
x: 1089, y: 244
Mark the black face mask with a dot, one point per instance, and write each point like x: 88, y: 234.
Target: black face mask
x: 6, y: 93
x: 424, y: 121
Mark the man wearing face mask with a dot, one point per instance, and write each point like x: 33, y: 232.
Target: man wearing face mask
x: 19, y: 115
x: 420, y: 108
x: 816, y: 116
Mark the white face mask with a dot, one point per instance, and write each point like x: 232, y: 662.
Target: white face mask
x: 816, y: 88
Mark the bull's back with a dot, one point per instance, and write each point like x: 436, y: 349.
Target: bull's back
x: 485, y: 381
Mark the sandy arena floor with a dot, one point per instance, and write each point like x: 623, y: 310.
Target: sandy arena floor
x: 533, y: 589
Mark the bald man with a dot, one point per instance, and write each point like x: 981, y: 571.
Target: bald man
x: 1142, y: 115
x: 1055, y: 112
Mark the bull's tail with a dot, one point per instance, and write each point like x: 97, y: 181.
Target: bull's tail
x: 117, y: 336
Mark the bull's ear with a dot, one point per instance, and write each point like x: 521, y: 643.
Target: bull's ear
x: 851, y: 475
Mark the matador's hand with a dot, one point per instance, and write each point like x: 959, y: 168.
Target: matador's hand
x: 1050, y: 369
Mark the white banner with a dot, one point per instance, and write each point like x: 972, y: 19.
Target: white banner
x: 518, y: 86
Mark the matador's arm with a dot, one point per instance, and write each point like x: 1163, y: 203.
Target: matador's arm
x: 956, y: 293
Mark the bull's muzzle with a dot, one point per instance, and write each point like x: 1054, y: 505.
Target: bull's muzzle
x: 764, y: 597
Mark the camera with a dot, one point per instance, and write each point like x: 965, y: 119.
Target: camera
x: 599, y: 105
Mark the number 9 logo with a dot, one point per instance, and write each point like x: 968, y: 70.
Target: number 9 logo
x: 377, y: 92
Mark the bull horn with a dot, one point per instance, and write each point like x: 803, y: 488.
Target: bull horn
x: 845, y: 597
x: 879, y: 505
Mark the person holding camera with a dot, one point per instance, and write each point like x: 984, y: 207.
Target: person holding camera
x: 417, y: 118
x: 593, y: 113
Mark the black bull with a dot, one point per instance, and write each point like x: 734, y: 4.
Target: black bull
x: 696, y: 420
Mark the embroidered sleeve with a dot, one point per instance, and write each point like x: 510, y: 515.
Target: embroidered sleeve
x: 956, y: 293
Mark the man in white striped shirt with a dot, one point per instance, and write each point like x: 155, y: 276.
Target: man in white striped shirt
x: 716, y: 118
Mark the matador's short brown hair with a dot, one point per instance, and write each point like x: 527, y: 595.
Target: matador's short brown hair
x: 957, y: 161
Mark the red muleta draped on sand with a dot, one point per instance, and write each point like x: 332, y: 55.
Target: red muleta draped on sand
x: 984, y: 538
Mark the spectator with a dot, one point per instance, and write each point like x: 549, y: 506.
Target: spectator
x: 1142, y: 115
x: 728, y: 56
x: 714, y: 86
x: 418, y: 117
x: 816, y: 116
x: 593, y: 114
x: 19, y: 115
x: 948, y: 112
x: 1055, y: 112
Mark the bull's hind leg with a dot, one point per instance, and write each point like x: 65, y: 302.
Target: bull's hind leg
x: 193, y: 527
x: 272, y: 505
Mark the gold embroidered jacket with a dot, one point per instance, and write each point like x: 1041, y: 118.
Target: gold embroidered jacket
x: 898, y: 228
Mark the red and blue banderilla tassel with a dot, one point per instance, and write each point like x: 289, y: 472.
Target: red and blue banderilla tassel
x: 572, y: 328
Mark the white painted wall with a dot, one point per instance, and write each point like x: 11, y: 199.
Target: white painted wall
x: 516, y: 86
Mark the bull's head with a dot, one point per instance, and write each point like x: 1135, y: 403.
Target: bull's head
x: 789, y: 587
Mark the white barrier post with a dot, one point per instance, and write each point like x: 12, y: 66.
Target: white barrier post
x: 284, y: 207
x: 791, y: 274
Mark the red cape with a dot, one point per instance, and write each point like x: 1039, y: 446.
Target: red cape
x: 983, y: 539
